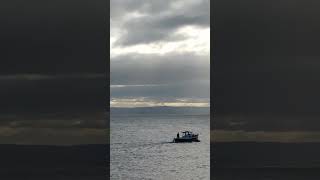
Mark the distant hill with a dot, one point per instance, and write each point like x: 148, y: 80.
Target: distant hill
x: 162, y: 110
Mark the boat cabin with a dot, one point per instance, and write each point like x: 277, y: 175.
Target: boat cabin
x: 187, y: 136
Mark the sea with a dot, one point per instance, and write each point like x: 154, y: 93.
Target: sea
x: 141, y: 146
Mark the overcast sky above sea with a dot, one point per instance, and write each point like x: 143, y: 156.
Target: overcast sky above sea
x: 160, y: 53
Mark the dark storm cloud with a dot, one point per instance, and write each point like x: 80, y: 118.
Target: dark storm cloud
x: 158, y: 69
x: 266, y: 64
x: 160, y: 20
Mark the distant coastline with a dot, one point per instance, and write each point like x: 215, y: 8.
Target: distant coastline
x: 165, y: 110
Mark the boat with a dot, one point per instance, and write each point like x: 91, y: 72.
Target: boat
x: 187, y: 136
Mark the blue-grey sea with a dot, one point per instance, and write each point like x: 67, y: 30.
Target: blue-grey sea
x: 142, y: 148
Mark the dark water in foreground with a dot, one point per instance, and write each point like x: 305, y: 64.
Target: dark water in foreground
x: 141, y: 147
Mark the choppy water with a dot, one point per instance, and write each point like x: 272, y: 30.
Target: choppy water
x: 141, y: 147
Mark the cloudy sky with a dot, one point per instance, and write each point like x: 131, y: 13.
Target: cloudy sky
x: 160, y: 53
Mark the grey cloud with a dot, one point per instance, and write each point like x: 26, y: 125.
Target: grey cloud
x: 159, y: 69
x: 153, y: 29
x: 166, y: 77
x: 119, y: 8
x: 155, y: 26
x: 158, y: 77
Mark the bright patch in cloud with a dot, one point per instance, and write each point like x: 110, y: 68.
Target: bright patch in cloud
x: 196, y: 40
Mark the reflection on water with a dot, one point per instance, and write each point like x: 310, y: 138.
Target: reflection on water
x: 141, y: 148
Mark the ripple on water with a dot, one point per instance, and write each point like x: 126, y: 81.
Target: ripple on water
x: 141, y: 149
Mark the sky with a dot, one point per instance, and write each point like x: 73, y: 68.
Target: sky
x: 160, y: 53
x: 53, y: 72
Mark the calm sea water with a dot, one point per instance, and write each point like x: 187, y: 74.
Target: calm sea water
x: 141, y: 147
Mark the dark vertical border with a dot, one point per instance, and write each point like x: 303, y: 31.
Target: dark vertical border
x: 288, y: 32
x: 108, y: 88
x: 45, y: 34
x: 212, y: 94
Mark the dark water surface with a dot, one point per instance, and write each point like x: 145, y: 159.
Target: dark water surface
x: 141, y: 147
